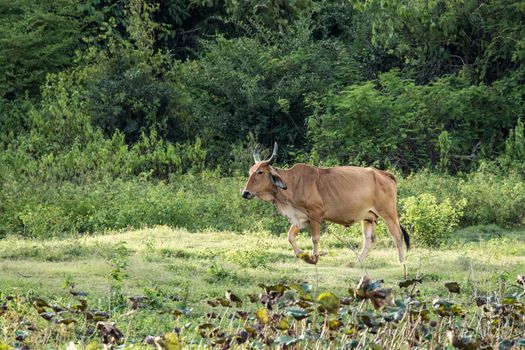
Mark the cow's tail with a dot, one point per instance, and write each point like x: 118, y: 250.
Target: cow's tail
x: 406, y: 237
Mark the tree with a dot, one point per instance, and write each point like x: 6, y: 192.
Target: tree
x: 37, y: 38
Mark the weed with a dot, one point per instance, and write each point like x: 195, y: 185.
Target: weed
x: 118, y: 272
x: 217, y: 273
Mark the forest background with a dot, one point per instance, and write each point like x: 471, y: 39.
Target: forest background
x: 133, y: 113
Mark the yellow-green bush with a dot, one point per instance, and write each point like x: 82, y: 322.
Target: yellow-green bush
x: 492, y: 197
x: 433, y: 222
x: 250, y: 257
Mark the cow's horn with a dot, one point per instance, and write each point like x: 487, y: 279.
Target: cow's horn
x: 256, y: 155
x: 274, y: 154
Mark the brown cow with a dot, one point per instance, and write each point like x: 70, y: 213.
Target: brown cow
x: 307, y: 195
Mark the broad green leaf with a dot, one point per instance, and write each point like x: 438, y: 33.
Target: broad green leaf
x: 329, y: 301
x: 298, y: 314
x: 285, y: 340
x: 262, y: 316
x: 171, y: 341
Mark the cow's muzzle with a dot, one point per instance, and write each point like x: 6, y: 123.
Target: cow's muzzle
x: 246, y: 194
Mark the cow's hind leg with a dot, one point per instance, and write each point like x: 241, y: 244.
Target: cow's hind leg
x: 369, y: 238
x: 394, y: 228
x: 292, y: 233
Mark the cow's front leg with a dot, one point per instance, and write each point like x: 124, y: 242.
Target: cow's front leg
x: 292, y: 233
x: 315, y: 227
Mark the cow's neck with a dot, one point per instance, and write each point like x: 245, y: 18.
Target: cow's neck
x: 281, y: 196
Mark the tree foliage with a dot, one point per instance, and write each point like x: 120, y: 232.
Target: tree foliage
x: 37, y: 38
x: 432, y: 38
x: 247, y: 85
x: 96, y: 91
x: 396, y: 122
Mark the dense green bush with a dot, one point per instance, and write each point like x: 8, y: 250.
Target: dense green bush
x: 63, y: 143
x: 440, y: 185
x: 37, y: 38
x: 492, y: 196
x: 36, y: 209
x: 514, y: 155
x: 259, y: 85
x: 433, y: 222
x: 433, y: 38
x: 396, y: 122
x: 494, y: 199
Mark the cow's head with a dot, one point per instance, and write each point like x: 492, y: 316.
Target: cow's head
x: 263, y: 179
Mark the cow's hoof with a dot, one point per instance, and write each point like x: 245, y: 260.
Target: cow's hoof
x: 310, y: 259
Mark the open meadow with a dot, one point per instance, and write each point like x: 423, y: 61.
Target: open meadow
x: 133, y: 131
x: 173, y: 276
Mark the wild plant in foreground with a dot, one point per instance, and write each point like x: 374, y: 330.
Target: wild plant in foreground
x: 282, y: 316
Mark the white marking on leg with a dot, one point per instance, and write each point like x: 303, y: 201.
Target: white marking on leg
x: 368, y: 241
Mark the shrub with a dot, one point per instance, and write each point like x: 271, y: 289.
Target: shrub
x: 433, y: 222
x: 196, y: 202
x: 41, y: 220
x: 514, y: 155
x: 250, y: 258
x: 493, y: 199
x: 422, y: 130
x: 440, y: 185
x: 492, y: 196
x: 250, y: 85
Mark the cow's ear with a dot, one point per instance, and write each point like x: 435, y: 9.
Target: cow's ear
x: 276, y: 179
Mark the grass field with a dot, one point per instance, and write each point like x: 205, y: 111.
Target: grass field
x: 171, y: 265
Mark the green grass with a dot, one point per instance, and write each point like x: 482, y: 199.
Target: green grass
x: 210, y: 262
x: 196, y: 267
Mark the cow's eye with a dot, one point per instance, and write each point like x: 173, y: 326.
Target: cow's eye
x: 259, y: 172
